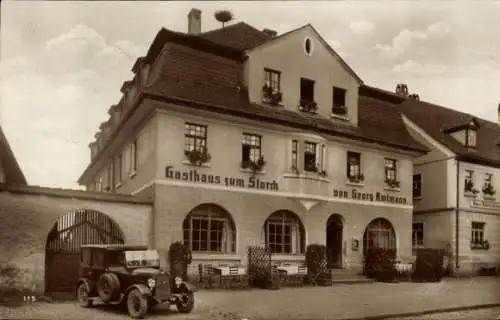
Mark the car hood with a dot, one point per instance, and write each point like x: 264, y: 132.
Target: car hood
x: 145, y: 271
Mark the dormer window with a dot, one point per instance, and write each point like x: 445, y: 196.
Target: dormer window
x: 471, y: 138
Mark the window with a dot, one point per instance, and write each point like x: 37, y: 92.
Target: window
x: 353, y: 164
x: 477, y: 236
x: 284, y: 233
x: 195, y: 137
x: 295, y: 159
x: 379, y: 234
x: 339, y: 105
x: 209, y: 228
x: 272, y: 79
x: 488, y: 178
x: 390, y: 170
x: 471, y: 138
x: 98, y: 185
x: 133, y: 157
x: 109, y: 174
x: 306, y: 89
x: 118, y: 169
x: 310, y: 157
x: 417, y: 185
x: 251, y: 148
x: 417, y: 238
x: 308, y: 46
x: 469, y: 181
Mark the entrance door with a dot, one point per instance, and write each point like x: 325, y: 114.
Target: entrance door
x: 334, y: 241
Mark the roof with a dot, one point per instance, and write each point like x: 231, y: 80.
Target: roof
x: 11, y: 168
x: 240, y: 36
x: 78, y: 194
x: 438, y: 122
x: 115, y: 247
x: 214, y: 87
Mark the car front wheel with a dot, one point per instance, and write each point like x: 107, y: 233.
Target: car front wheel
x: 186, y: 304
x: 137, y: 304
x: 82, y: 294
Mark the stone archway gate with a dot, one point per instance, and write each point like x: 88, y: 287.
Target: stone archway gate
x: 72, y: 230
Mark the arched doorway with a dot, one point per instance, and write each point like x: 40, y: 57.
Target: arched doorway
x: 379, y: 233
x: 334, y: 230
x: 62, y: 251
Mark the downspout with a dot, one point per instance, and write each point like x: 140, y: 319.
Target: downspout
x: 457, y: 215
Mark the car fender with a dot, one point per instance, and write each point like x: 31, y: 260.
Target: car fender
x: 189, y: 286
x: 143, y: 289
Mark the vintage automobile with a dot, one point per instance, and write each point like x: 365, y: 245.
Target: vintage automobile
x: 129, y: 276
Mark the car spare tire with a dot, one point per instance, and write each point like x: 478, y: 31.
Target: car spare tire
x: 108, y: 287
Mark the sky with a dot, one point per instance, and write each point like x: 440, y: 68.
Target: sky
x: 63, y: 63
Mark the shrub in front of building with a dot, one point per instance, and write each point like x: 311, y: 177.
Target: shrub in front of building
x: 260, y: 270
x: 380, y: 264
x: 316, y: 263
x: 429, y: 265
x: 12, y: 287
x: 180, y: 257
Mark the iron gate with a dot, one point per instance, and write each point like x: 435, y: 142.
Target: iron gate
x: 62, y: 254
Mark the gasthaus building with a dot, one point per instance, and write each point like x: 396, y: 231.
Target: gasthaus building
x: 248, y: 138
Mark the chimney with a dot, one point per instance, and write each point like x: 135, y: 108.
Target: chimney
x: 194, y: 21
x: 269, y: 32
x: 414, y: 96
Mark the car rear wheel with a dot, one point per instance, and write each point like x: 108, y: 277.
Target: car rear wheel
x: 186, y: 304
x: 82, y: 294
x: 108, y: 287
x: 137, y: 304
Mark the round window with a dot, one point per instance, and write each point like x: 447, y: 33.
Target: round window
x: 308, y: 46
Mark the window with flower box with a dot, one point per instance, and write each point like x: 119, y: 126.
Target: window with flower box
x: 339, y: 101
x: 307, y: 103
x: 354, y: 167
x: 271, y: 90
x: 195, y: 137
x: 488, y: 189
x: 391, y: 178
x: 251, y: 153
x: 469, y: 182
x: 310, y: 159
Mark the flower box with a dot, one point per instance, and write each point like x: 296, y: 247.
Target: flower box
x: 271, y: 95
x: 357, y: 178
x: 308, y: 106
x: 255, y: 166
x: 198, y: 157
x: 392, y: 183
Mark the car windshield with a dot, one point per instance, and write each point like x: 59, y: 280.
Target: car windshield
x: 142, y: 258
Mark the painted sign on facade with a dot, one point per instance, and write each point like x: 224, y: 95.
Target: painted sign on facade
x: 194, y: 176
x: 369, y: 196
x: 486, y: 204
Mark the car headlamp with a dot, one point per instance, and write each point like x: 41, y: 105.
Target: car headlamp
x: 178, y: 281
x: 151, y: 282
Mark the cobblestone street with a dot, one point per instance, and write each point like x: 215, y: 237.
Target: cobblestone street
x: 336, y: 302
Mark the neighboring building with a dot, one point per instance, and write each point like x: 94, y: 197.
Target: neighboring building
x: 456, y: 183
x: 289, y: 152
x: 10, y: 171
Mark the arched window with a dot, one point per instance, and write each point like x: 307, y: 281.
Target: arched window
x: 284, y: 233
x: 379, y: 233
x: 209, y: 228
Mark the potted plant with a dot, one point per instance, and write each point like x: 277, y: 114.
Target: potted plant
x: 356, y: 178
x: 469, y: 187
x: 308, y: 105
x: 392, y: 183
x: 180, y: 257
x: 488, y: 189
x: 271, y: 95
x: 255, y: 166
x: 198, y: 157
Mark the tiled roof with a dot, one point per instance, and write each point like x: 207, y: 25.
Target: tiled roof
x: 435, y: 120
x: 202, y: 80
x: 241, y: 36
x: 11, y: 168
